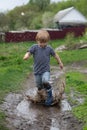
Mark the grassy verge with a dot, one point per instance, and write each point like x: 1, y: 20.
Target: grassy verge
x: 13, y: 69
x: 69, y: 57
x: 72, y: 56
x: 77, y: 83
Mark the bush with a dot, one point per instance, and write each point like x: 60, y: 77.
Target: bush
x: 71, y: 43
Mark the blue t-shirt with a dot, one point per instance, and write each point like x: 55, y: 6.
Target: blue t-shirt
x: 41, y: 58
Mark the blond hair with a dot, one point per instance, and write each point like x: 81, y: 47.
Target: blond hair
x: 42, y: 36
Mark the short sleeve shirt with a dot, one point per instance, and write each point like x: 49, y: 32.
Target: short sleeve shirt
x: 41, y: 58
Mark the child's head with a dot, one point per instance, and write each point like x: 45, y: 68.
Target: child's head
x: 42, y: 38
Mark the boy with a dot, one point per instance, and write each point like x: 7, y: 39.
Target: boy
x: 41, y: 53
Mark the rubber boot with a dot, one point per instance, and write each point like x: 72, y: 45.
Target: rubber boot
x: 49, y: 99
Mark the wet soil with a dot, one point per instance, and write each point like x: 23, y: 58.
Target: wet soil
x: 24, y: 115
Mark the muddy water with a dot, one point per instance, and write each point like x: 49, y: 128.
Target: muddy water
x: 24, y: 115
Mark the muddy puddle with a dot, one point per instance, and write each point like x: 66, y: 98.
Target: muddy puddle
x: 24, y: 115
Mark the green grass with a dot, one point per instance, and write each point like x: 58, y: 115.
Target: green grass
x: 14, y: 70
x: 56, y: 43
x: 2, y: 121
x: 77, y: 82
x: 69, y: 57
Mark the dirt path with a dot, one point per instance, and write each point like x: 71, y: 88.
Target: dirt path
x: 23, y: 115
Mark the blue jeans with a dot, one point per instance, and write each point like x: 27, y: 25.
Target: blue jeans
x: 43, y: 78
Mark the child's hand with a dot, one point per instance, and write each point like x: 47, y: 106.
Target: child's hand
x: 26, y: 56
x: 61, y: 65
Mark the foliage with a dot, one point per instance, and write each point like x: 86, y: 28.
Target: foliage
x: 85, y: 36
x: 79, y: 4
x: 36, y: 22
x: 69, y: 41
x: 4, y: 20
x: 40, y: 11
x: 41, y: 4
x: 47, y: 20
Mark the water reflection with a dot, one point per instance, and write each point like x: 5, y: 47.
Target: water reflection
x: 54, y: 124
x: 24, y: 110
x: 65, y: 106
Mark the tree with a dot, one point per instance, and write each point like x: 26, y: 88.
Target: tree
x: 47, y: 19
x: 36, y: 22
x: 37, y: 14
x: 42, y: 4
x: 4, y: 20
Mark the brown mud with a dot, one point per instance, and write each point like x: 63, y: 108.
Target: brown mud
x: 24, y: 115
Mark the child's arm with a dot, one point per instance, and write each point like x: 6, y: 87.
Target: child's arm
x: 27, y: 56
x: 58, y: 60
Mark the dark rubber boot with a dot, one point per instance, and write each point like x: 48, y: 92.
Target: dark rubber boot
x: 49, y: 99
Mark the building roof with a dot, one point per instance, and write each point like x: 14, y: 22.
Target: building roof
x: 69, y: 16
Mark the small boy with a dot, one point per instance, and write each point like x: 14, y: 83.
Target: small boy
x: 41, y: 53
